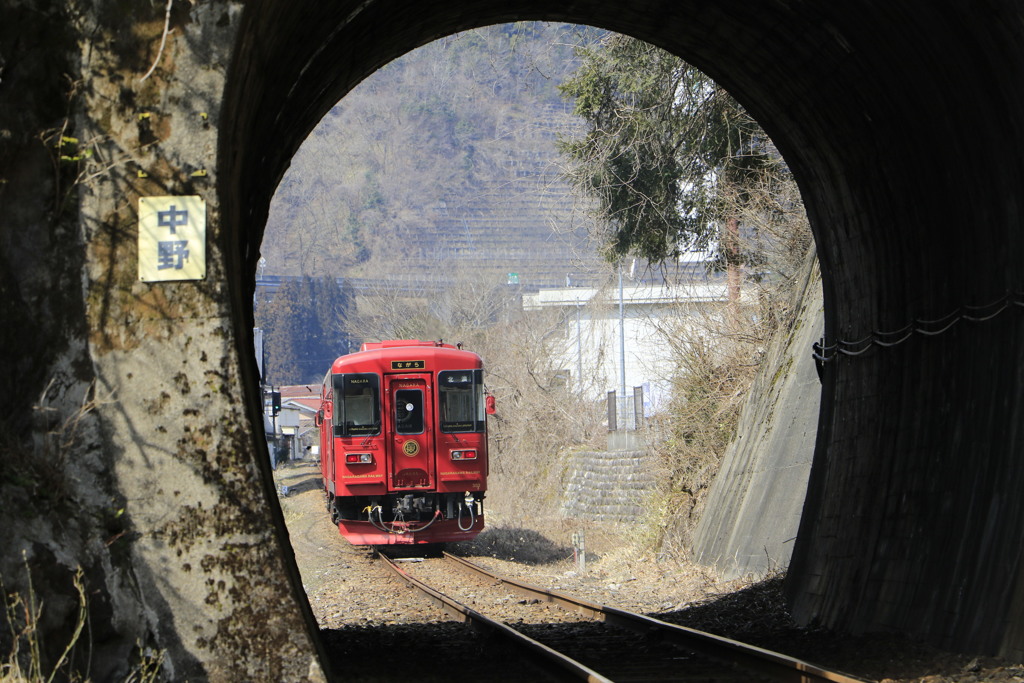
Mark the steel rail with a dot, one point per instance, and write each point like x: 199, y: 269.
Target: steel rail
x: 766, y: 662
x: 471, y: 616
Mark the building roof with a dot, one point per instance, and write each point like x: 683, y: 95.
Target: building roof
x: 299, y: 391
x: 310, y: 405
x: 691, y: 292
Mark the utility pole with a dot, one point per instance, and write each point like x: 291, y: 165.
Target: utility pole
x: 579, y: 349
x: 622, y: 336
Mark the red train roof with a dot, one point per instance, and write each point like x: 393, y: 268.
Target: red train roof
x: 395, y: 343
x: 378, y: 357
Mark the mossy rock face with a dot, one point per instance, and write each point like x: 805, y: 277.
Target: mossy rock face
x: 53, y: 489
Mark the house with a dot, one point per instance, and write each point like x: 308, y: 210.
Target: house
x: 292, y: 432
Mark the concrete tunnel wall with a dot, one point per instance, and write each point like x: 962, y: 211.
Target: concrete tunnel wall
x: 902, y: 127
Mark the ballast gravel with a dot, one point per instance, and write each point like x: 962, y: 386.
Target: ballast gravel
x: 375, y: 628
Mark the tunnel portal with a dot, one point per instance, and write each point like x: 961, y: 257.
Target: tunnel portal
x: 903, y: 128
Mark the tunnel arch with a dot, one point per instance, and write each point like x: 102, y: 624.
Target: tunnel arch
x: 900, y: 128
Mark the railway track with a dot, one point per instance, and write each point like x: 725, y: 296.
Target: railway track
x: 601, y: 643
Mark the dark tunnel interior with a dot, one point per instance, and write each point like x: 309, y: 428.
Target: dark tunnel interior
x: 901, y: 128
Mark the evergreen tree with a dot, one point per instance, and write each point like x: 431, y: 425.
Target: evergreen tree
x: 664, y: 148
x: 334, y: 307
x: 304, y: 329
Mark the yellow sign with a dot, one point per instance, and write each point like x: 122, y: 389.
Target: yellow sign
x: 172, y: 238
x: 410, y: 448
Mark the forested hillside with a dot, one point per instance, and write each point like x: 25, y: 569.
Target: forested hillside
x: 443, y: 159
x: 306, y: 326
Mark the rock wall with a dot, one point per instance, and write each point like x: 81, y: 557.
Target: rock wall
x: 130, y: 455
x: 60, y: 509
x: 753, y: 509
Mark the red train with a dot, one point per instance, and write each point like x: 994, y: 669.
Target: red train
x: 403, y: 443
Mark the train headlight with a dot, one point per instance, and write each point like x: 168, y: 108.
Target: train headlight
x: 464, y: 455
x: 359, y: 458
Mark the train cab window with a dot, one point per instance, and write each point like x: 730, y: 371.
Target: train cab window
x: 356, y: 404
x: 461, y: 400
x: 409, y: 411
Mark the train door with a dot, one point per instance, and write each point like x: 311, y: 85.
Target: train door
x: 411, y: 445
x: 327, y: 464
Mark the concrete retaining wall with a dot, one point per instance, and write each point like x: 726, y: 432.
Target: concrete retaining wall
x: 753, y: 509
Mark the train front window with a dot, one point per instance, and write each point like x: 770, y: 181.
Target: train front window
x: 409, y: 411
x: 461, y: 400
x: 356, y: 404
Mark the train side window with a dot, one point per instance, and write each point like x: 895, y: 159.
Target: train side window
x: 409, y: 411
x: 356, y: 404
x: 461, y: 400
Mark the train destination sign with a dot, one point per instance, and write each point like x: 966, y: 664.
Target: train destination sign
x: 172, y: 238
x: 408, y: 364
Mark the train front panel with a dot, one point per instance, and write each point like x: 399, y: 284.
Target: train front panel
x: 404, y: 443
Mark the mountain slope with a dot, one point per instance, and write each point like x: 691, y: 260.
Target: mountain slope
x: 443, y: 159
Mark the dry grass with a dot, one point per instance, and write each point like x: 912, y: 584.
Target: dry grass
x: 26, y: 661
x: 717, y: 354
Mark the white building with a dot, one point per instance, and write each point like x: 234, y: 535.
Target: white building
x: 621, y: 335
